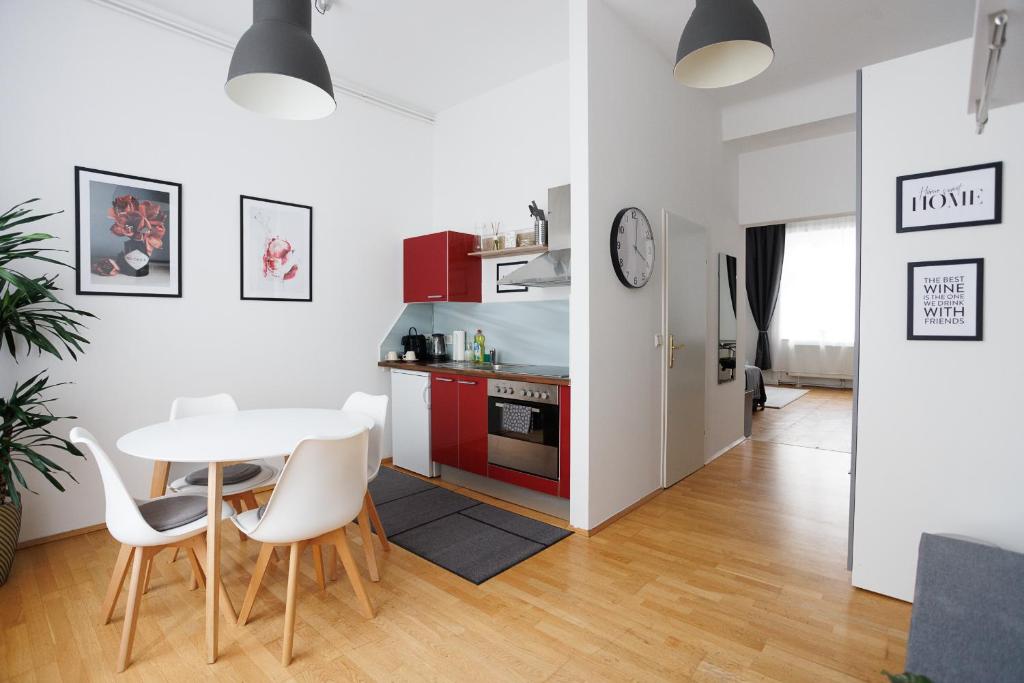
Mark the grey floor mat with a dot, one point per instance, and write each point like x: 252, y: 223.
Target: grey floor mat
x: 390, y: 485
x: 464, y: 546
x: 531, y: 529
x: 418, y: 509
x: 471, y: 539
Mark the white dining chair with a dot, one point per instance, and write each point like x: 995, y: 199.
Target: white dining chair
x: 241, y: 480
x: 319, y: 493
x: 375, y: 408
x: 144, y: 529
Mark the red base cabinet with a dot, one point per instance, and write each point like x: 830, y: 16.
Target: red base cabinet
x: 563, y: 441
x: 444, y: 420
x: 458, y: 422
x: 437, y: 268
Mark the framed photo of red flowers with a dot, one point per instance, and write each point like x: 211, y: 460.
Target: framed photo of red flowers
x: 276, y: 250
x: 127, y: 234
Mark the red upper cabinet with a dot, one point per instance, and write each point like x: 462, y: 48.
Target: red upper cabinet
x: 473, y: 425
x: 437, y: 268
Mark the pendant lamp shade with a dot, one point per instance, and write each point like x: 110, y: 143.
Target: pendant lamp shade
x: 724, y: 43
x: 277, y: 69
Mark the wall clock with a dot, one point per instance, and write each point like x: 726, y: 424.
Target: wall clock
x: 632, y: 247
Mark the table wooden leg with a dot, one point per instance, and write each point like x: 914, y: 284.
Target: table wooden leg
x: 215, y: 488
x: 158, y: 484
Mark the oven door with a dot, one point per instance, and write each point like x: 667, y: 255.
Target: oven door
x: 523, y: 436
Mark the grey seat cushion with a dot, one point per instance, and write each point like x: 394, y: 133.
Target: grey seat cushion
x: 164, y: 514
x: 260, y: 511
x: 233, y: 474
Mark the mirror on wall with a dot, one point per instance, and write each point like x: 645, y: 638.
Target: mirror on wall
x: 727, y: 325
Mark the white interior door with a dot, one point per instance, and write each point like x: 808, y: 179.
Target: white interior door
x: 685, y: 316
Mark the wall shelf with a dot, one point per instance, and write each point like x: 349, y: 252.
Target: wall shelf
x: 515, y: 251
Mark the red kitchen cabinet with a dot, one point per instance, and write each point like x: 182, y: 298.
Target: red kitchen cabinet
x: 473, y: 425
x: 437, y: 268
x: 444, y: 420
x: 563, y: 441
x: 458, y: 422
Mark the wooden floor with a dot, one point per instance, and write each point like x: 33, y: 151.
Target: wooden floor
x: 737, y: 573
x: 821, y: 418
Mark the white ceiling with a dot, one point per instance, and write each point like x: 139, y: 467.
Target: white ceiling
x: 431, y: 54
x: 816, y: 39
x: 426, y: 54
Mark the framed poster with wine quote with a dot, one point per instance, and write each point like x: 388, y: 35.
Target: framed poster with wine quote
x: 127, y: 234
x: 945, y: 300
x: 276, y: 250
x: 953, y: 198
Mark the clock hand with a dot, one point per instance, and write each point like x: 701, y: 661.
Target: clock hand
x: 638, y: 252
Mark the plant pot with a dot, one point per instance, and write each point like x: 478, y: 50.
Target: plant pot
x: 10, y: 527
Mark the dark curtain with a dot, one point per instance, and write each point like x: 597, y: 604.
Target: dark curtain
x: 730, y: 274
x: 766, y: 247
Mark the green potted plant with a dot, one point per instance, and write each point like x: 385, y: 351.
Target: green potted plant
x: 32, y: 317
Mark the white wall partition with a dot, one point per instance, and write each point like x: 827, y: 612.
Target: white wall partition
x: 496, y: 153
x: 89, y: 86
x: 654, y: 144
x: 938, y: 437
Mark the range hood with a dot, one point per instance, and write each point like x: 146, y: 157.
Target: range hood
x: 551, y: 269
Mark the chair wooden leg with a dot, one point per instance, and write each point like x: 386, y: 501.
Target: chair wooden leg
x: 364, y: 531
x: 341, y: 542
x: 289, y: 606
x: 239, y: 508
x: 174, y: 557
x: 318, y: 567
x: 198, y: 579
x: 226, y: 608
x: 131, y: 615
x: 145, y: 574
x: 381, y: 534
x: 266, y: 552
x: 332, y: 562
x: 124, y: 557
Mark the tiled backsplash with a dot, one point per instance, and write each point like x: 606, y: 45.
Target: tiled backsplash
x: 534, y: 332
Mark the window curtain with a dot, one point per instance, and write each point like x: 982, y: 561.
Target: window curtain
x: 812, y: 333
x: 766, y: 247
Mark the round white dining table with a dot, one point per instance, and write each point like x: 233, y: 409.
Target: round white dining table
x: 221, y: 440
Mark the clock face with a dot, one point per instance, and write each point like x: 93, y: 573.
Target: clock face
x: 632, y: 243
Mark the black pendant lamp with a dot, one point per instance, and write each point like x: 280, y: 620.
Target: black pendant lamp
x: 277, y: 69
x: 724, y: 43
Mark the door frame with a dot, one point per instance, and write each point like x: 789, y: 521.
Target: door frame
x: 661, y: 341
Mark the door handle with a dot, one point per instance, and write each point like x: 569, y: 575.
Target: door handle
x: 472, y: 384
x: 426, y: 397
x: 672, y: 348
x: 435, y: 296
x: 442, y: 379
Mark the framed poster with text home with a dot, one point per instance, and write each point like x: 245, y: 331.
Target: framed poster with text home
x: 954, y: 198
x: 945, y: 300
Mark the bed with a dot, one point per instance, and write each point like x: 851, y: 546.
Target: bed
x: 755, y: 383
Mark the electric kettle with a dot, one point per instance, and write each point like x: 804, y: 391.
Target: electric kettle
x: 438, y: 352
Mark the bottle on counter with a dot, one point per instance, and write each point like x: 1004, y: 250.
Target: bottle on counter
x: 479, y: 342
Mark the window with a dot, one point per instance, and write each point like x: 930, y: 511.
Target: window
x: 817, y: 293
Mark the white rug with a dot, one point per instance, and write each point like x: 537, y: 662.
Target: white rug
x: 780, y: 397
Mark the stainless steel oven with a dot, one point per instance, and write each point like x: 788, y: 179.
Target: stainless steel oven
x: 522, y: 427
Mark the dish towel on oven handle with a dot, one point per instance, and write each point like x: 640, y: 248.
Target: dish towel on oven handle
x: 516, y: 418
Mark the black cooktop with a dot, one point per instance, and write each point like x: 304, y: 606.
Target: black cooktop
x: 554, y: 371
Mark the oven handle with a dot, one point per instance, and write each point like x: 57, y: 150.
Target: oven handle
x: 505, y: 405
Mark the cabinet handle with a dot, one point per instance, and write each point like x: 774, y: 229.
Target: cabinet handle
x: 435, y: 296
x: 472, y: 384
x: 442, y: 379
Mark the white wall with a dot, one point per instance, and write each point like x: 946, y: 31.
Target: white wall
x: 938, y: 438
x: 93, y: 87
x: 654, y: 144
x: 829, y: 99
x: 804, y: 180
x: 496, y: 153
